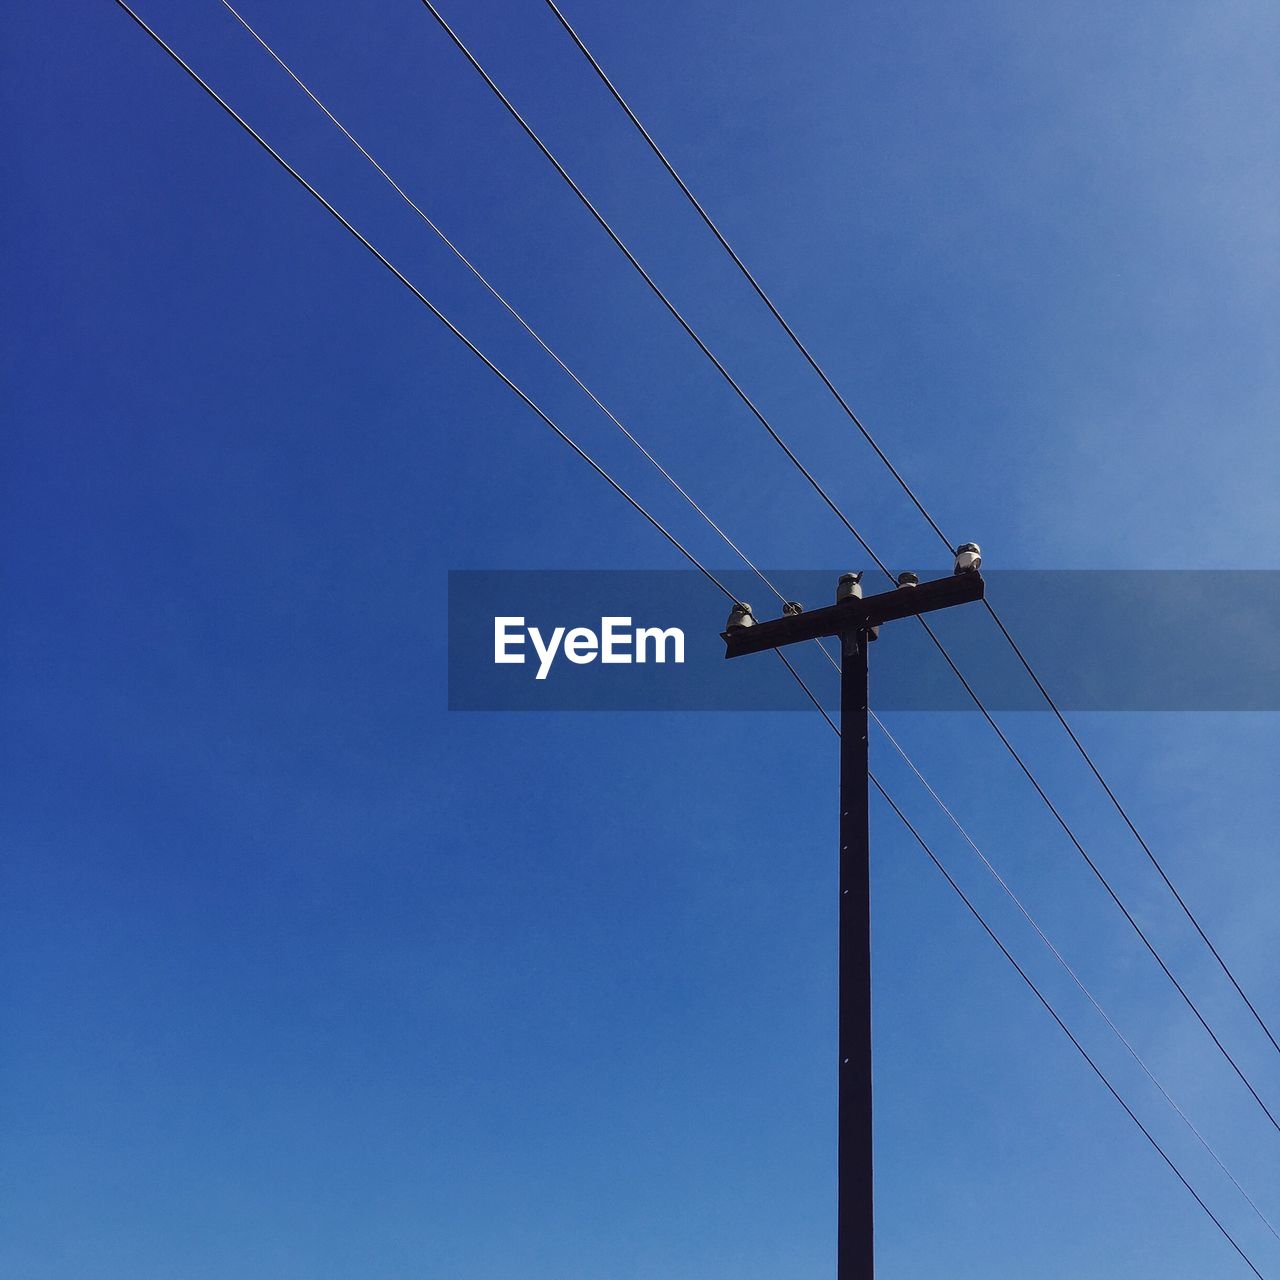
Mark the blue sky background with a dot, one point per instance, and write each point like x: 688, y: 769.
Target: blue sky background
x: 306, y: 977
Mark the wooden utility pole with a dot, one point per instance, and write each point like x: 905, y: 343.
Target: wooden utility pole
x: 856, y: 621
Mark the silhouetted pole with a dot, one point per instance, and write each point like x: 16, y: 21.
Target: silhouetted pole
x: 856, y: 622
x: 855, y: 1222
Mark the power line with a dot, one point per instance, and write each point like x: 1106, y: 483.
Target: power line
x: 493, y: 290
x: 1106, y: 884
x: 1071, y: 973
x: 1046, y: 940
x: 742, y: 266
x: 649, y: 280
x: 333, y: 211
x: 1098, y: 873
x: 435, y: 311
x: 728, y: 540
x: 1137, y: 835
x: 426, y: 302
x: 907, y: 489
x: 1053, y: 1013
x: 822, y: 711
x: 834, y: 507
x: 1022, y: 973
x: 533, y: 333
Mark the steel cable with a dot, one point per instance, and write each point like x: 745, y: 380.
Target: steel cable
x: 548, y: 421
x: 831, y: 504
x: 916, y: 501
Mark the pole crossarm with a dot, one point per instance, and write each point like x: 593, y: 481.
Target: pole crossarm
x: 854, y: 615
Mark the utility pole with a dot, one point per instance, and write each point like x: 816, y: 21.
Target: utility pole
x: 856, y: 622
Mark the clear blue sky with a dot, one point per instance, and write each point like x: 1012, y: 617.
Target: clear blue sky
x: 304, y: 977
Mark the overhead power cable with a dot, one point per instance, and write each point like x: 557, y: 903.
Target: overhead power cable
x: 1022, y: 973
x: 508, y: 306
x: 1053, y: 1013
x: 1071, y: 973
x: 1128, y: 821
x: 822, y: 711
x: 1114, y: 897
x: 1058, y: 956
x: 653, y: 285
x: 425, y: 301
x: 742, y: 266
x: 475, y: 271
x: 1044, y: 938
x: 813, y: 363
x: 835, y: 508
x: 1100, y: 876
x: 333, y: 211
